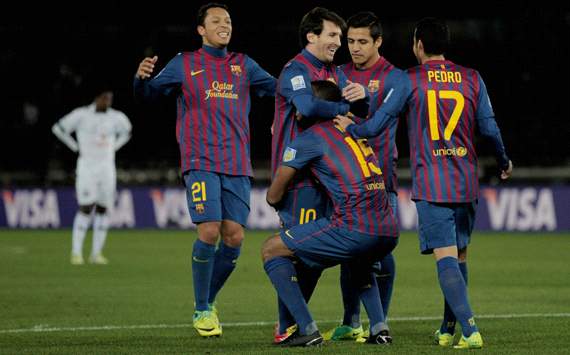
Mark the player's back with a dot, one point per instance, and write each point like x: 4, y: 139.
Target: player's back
x: 349, y: 170
x: 441, y: 116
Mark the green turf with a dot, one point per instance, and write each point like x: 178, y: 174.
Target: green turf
x: 148, y: 285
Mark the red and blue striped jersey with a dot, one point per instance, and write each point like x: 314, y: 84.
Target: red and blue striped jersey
x: 380, y: 79
x: 446, y: 103
x: 349, y: 171
x: 212, y: 88
x: 293, y: 83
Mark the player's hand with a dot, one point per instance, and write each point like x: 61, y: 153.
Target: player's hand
x: 505, y: 174
x: 146, y: 67
x: 353, y: 91
x: 342, y: 121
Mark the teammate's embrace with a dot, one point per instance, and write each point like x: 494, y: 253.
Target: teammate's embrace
x: 362, y: 228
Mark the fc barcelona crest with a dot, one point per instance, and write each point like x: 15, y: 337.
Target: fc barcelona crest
x: 200, y: 208
x: 373, y: 85
x: 236, y: 70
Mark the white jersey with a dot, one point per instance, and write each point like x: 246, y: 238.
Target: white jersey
x: 99, y: 134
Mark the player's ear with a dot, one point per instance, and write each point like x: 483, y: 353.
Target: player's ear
x: 311, y: 37
x: 201, y: 30
x: 420, y: 45
x: 378, y: 42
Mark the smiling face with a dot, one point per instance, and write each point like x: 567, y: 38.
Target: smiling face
x: 363, y: 48
x: 325, y: 45
x: 217, y: 29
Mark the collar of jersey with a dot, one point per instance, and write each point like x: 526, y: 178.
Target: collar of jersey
x: 215, y: 52
x: 312, y: 59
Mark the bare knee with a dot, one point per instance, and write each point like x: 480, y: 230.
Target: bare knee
x: 462, y: 255
x: 232, y: 233
x: 274, y: 247
x: 208, y: 232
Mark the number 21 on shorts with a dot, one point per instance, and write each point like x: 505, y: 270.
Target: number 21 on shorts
x: 199, y: 191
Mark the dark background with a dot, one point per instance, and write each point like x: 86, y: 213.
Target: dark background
x: 53, y: 55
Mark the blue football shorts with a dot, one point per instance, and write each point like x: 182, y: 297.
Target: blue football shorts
x: 215, y: 197
x: 445, y: 224
x: 321, y: 245
x: 303, y: 205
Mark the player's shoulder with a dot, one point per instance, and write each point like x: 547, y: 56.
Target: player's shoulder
x: 347, y: 67
x: 294, y: 64
x: 82, y: 110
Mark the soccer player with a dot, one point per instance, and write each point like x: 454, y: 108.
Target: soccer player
x: 370, y: 69
x: 446, y: 103
x: 360, y: 230
x: 99, y: 132
x: 320, y: 34
x: 212, y: 89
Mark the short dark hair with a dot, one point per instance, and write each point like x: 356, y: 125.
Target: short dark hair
x: 366, y: 19
x: 313, y: 22
x: 326, y: 90
x: 434, y: 35
x: 203, y: 11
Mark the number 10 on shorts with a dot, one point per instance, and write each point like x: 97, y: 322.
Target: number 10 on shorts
x: 307, y: 215
x: 199, y: 191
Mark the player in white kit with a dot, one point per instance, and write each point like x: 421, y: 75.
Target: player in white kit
x: 99, y: 132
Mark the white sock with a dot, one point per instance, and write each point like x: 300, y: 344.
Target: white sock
x: 100, y: 227
x: 80, y: 226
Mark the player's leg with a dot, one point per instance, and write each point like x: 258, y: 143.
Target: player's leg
x: 86, y: 195
x: 465, y: 220
x: 281, y: 271
x: 350, y: 328
x: 300, y: 206
x: 105, y: 199
x: 235, y: 197
x: 387, y: 273
x: 204, y: 204
x: 438, y: 235
x: 100, y: 229
x: 363, y: 279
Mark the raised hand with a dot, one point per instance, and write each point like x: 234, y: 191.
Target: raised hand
x: 353, y: 91
x: 146, y: 67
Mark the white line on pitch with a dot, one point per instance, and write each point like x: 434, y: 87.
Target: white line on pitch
x: 46, y: 328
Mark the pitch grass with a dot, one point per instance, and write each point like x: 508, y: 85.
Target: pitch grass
x: 148, y: 286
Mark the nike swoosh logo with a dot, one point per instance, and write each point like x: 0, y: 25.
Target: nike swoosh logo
x: 196, y: 72
x: 199, y: 260
x: 289, y: 235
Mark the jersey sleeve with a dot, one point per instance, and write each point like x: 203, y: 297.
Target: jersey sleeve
x: 295, y: 86
x: 301, y: 151
x: 123, y: 128
x: 261, y: 82
x: 65, y: 127
x: 397, y: 90
x: 488, y: 125
x: 165, y: 83
x: 359, y: 107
